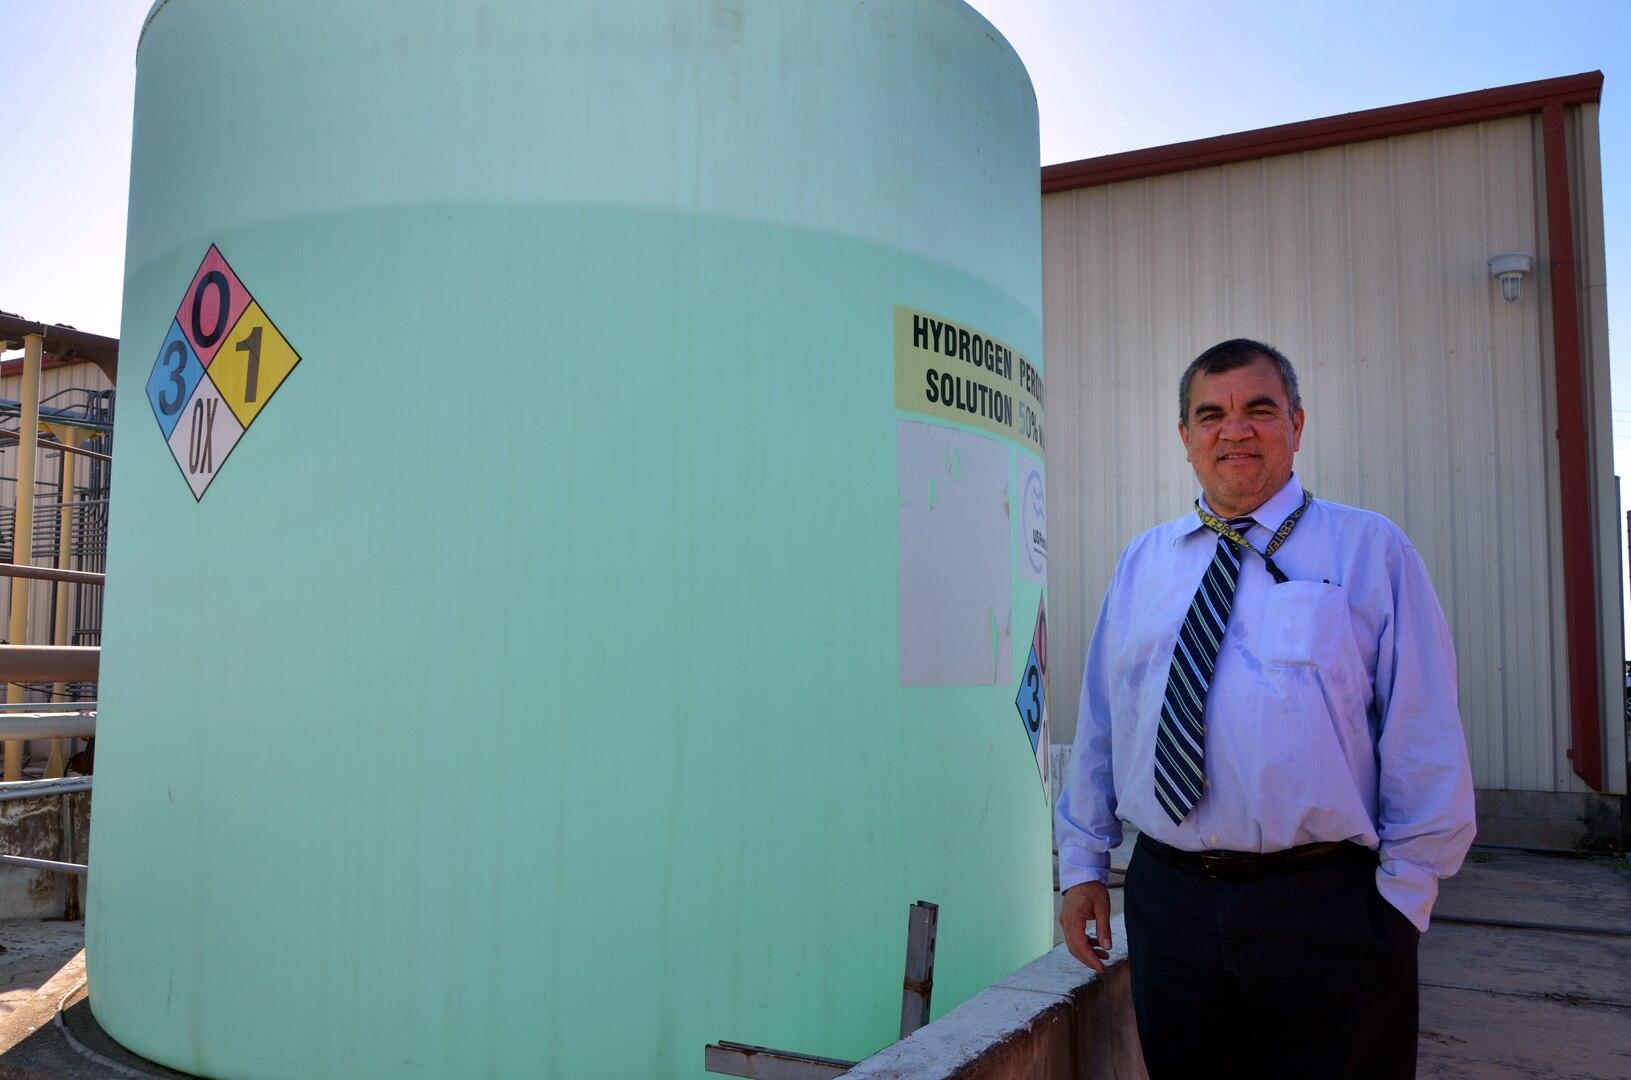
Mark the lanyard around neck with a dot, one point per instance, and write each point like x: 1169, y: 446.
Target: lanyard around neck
x: 1228, y: 532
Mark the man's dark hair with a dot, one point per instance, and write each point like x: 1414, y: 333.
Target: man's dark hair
x: 1232, y: 354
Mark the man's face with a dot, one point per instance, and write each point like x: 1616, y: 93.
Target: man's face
x: 1240, y: 436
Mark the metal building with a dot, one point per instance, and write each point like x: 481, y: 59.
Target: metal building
x: 1360, y: 245
x: 70, y: 519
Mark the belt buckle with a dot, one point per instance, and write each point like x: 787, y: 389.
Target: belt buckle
x: 1220, y: 866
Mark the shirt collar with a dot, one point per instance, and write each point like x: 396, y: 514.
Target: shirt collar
x: 1276, y: 509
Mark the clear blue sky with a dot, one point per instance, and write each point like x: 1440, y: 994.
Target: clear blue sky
x: 1109, y: 77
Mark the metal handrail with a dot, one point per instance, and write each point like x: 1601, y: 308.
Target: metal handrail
x: 52, y: 724
x: 55, y: 706
x: 52, y: 444
x: 39, y: 789
x: 45, y: 864
x: 47, y: 573
x: 49, y: 663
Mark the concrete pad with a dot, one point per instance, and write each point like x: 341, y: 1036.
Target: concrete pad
x: 36, y: 1015
x: 1495, y: 960
x: 1499, y: 1002
x: 31, y: 951
x: 1491, y: 1036
x: 41, y: 1045
x: 1585, y: 890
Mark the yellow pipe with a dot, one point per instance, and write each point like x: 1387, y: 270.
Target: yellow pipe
x: 72, y: 437
x: 22, y: 538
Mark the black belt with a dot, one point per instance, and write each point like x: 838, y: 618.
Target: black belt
x: 1242, y: 865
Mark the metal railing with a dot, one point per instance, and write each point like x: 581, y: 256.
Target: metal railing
x: 18, y: 722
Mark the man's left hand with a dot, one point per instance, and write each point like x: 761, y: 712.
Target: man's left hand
x: 1085, y: 903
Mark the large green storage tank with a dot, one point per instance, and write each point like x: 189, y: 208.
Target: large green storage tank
x: 578, y: 569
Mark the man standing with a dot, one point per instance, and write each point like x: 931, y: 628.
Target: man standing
x: 1270, y: 699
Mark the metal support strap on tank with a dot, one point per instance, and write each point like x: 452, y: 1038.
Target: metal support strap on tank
x: 921, y: 925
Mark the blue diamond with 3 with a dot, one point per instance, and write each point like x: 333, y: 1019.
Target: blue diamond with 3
x: 175, y: 374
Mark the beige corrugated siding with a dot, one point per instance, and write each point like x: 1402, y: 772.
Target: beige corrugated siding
x: 1429, y: 399
x: 52, y: 381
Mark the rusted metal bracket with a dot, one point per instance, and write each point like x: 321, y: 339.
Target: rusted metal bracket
x: 763, y: 1063
x: 922, y: 922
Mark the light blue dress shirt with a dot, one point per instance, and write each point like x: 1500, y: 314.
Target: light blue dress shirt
x: 1332, y: 713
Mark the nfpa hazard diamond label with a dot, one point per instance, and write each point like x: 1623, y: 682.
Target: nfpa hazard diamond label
x: 1032, y: 698
x: 218, y: 367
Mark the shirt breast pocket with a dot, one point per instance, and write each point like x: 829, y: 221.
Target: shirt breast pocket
x: 1305, y: 624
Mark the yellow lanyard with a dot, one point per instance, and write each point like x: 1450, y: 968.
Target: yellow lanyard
x: 1227, y: 531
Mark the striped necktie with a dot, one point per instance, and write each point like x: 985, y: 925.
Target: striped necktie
x: 1180, y: 755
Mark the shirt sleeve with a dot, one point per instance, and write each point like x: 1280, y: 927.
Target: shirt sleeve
x: 1085, y: 822
x: 1425, y: 819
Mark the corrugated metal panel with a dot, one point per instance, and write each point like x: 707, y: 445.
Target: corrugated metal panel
x: 1429, y: 399
x: 54, y: 381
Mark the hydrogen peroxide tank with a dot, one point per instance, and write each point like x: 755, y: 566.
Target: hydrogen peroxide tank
x: 579, y: 541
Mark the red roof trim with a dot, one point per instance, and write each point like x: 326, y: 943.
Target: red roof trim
x: 61, y: 344
x: 1495, y: 104
x: 1579, y: 587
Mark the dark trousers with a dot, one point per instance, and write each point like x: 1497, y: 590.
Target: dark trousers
x: 1306, y: 973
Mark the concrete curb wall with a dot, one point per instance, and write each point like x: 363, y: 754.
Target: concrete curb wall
x: 1053, y: 1019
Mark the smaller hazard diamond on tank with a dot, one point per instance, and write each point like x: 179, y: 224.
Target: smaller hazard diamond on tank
x: 1032, y: 698
x: 220, y: 364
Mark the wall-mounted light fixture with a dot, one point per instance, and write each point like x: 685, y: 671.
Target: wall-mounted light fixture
x: 1508, y: 268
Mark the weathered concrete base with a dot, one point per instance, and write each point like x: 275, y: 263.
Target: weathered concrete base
x: 1551, y: 819
x: 33, y: 827
x: 1051, y: 1020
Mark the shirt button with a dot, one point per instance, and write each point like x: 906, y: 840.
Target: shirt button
x: 1206, y: 785
x: 1212, y: 839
